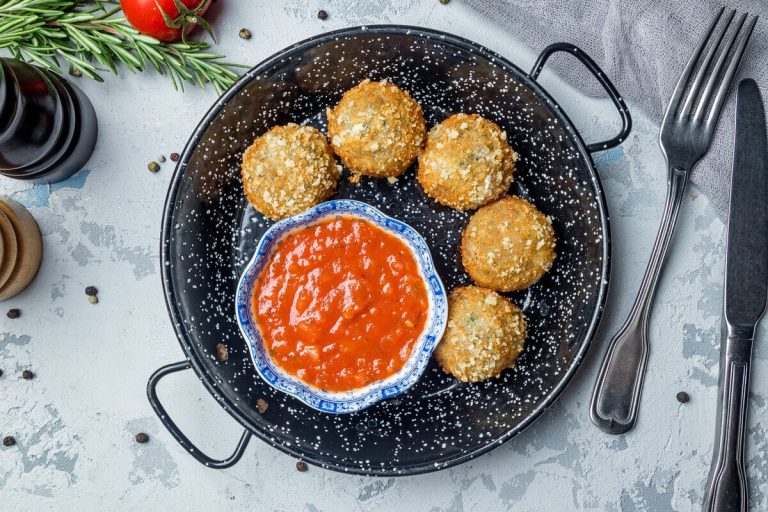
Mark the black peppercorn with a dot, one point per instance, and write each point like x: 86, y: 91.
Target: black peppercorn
x: 174, y: 157
x: 14, y: 313
x: 683, y: 397
x: 91, y: 290
x: 142, y: 438
x: 27, y: 375
x: 301, y: 466
x: 322, y: 14
x: 9, y: 441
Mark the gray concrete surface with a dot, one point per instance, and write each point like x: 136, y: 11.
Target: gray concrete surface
x: 75, y: 421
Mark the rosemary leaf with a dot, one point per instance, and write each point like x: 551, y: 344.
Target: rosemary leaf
x: 91, y: 33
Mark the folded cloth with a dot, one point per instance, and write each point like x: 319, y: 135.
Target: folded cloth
x: 643, y: 46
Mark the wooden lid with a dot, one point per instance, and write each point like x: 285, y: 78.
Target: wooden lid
x: 29, y: 245
x: 9, y: 249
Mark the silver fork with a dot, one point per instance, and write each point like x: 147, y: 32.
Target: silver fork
x: 686, y: 134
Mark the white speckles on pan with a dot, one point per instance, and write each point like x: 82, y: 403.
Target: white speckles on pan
x: 210, y: 232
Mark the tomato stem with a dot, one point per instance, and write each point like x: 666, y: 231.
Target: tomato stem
x: 187, y: 18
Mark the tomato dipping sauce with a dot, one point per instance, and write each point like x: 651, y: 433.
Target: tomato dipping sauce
x: 340, y: 303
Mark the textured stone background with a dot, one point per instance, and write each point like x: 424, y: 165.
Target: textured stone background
x: 75, y: 422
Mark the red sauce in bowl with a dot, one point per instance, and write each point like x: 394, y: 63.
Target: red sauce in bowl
x: 340, y: 303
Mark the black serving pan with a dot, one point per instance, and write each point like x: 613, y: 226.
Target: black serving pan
x: 209, y: 233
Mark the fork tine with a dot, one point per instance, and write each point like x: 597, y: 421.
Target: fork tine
x: 674, y: 102
x: 722, y: 91
x: 714, y: 78
x: 701, y: 74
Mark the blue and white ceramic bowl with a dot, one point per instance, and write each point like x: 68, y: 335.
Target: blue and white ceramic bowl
x: 351, y: 401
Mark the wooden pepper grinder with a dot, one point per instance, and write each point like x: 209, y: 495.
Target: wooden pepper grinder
x: 21, y: 248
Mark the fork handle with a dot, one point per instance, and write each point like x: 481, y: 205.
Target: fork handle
x: 616, y: 396
x: 727, y: 484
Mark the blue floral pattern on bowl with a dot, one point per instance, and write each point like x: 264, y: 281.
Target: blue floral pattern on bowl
x: 351, y: 401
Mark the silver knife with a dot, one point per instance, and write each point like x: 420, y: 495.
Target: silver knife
x: 746, y: 293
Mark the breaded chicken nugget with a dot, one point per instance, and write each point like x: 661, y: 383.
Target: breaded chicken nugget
x: 377, y: 129
x: 289, y: 169
x: 508, y: 245
x: 485, y: 334
x: 466, y: 162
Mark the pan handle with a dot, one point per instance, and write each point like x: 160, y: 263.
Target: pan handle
x: 618, y: 101
x: 183, y: 440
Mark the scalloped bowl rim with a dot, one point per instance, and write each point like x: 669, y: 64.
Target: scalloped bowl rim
x: 358, y: 399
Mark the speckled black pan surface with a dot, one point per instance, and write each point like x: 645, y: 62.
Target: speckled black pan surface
x: 210, y: 232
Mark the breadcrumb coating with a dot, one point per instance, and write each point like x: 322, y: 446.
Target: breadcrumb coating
x: 466, y: 162
x: 508, y: 245
x: 485, y: 334
x: 377, y: 129
x: 289, y: 169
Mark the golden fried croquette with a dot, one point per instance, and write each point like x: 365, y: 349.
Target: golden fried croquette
x: 467, y: 162
x: 485, y: 334
x: 289, y: 169
x: 508, y: 245
x: 377, y: 129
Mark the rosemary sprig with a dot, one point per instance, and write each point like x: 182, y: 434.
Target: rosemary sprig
x: 89, y: 37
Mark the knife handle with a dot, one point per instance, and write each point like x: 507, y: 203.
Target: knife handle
x: 727, y: 484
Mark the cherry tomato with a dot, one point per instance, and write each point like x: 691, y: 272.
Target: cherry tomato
x: 145, y: 16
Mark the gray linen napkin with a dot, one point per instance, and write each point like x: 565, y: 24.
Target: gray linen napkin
x: 642, y: 45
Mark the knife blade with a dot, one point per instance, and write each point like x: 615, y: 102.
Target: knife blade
x: 746, y: 293
x: 746, y: 264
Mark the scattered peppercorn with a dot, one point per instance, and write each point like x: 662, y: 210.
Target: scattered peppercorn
x: 222, y: 352
x: 683, y: 397
x: 153, y: 166
x: 91, y: 291
x: 1, y: 373
x: 161, y: 158
x: 245, y: 33
x: 76, y: 72
x: 262, y: 405
x: 142, y: 438
x: 174, y: 157
x: 27, y: 375
x: 14, y: 313
x: 323, y: 15
x: 301, y: 466
x: 9, y: 441
x: 444, y: 1
x: 93, y: 299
